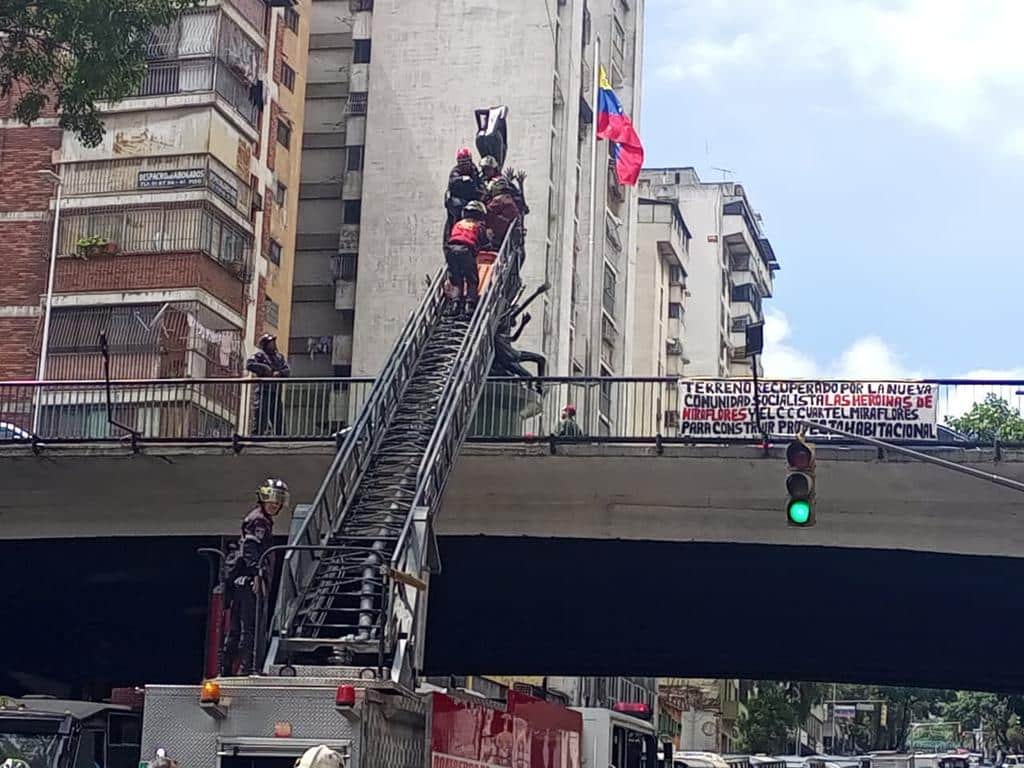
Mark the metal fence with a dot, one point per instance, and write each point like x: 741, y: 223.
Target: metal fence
x: 608, y: 409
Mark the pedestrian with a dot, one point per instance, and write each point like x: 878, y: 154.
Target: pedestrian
x: 464, y: 186
x: 568, y: 426
x: 268, y: 363
x: 247, y: 579
x: 465, y: 240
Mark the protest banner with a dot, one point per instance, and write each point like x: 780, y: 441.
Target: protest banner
x: 886, y: 410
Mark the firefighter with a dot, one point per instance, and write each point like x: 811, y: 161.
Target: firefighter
x: 502, y: 211
x: 466, y: 238
x: 568, y: 426
x: 464, y: 186
x: 489, y: 171
x: 268, y: 363
x: 246, y: 579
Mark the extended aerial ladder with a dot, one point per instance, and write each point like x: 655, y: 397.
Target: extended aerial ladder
x: 354, y: 580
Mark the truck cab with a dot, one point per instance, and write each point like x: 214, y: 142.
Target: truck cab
x: 617, y: 740
x: 60, y: 733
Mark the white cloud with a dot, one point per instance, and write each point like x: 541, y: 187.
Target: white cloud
x: 866, y: 358
x: 951, y: 64
x: 871, y: 357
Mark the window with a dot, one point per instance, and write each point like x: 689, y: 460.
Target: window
x: 353, y: 211
x: 676, y: 275
x: 291, y: 19
x: 361, y: 52
x: 609, y: 290
x: 347, y: 270
x: 284, y: 133
x: 271, y: 311
x: 354, y: 159
x: 274, y: 252
x: 675, y: 310
x: 281, y: 194
x: 288, y: 77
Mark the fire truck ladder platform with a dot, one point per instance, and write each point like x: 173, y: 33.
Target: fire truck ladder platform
x: 356, y: 594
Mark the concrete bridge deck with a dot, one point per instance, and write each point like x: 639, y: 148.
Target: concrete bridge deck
x: 727, y: 494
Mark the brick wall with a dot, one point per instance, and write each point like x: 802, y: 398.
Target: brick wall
x: 23, y: 152
x: 8, y: 102
x: 150, y: 272
x: 279, y: 28
x: 18, y: 347
x: 25, y: 261
x: 260, y: 326
x: 275, y: 112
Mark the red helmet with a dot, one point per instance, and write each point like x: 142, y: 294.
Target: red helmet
x: 569, y: 410
x: 465, y: 153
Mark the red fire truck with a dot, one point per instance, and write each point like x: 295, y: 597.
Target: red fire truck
x: 262, y: 722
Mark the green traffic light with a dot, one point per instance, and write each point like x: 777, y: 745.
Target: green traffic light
x: 799, y: 512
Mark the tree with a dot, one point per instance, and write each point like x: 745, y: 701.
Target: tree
x: 75, y: 53
x: 999, y: 714
x: 990, y: 419
x: 770, y: 719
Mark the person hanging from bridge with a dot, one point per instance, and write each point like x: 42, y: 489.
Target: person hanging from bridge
x: 468, y: 235
x: 246, y: 579
x: 508, y: 361
x: 464, y: 186
x: 268, y: 363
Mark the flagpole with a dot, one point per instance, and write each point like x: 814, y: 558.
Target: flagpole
x: 591, y: 324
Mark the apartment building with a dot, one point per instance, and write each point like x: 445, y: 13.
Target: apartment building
x: 392, y: 92
x: 175, y: 235
x: 703, y: 714
x: 731, y: 271
x: 659, y: 318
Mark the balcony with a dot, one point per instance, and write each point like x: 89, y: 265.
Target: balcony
x: 146, y: 341
x: 747, y: 293
x: 149, y: 248
x: 157, y: 173
x: 661, y: 221
x: 205, y: 52
x: 616, y: 192
x: 253, y: 11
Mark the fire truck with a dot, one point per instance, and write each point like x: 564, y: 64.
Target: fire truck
x: 342, y: 659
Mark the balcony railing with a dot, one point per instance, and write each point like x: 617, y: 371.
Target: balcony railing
x: 163, y: 229
x: 154, y: 174
x: 609, y: 409
x: 167, y: 78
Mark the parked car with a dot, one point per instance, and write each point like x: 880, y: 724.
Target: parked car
x: 10, y: 431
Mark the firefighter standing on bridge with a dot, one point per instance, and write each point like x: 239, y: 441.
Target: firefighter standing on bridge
x: 245, y: 581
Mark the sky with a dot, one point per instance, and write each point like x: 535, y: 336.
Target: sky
x: 883, y: 143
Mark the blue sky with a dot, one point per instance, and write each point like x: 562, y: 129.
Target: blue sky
x: 883, y: 142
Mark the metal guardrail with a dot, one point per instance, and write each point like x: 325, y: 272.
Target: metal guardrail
x: 610, y: 409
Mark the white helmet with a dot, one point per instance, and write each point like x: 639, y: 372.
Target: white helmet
x: 320, y: 757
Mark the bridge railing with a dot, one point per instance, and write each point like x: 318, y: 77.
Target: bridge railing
x: 609, y: 409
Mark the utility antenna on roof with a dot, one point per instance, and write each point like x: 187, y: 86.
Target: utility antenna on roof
x: 723, y: 171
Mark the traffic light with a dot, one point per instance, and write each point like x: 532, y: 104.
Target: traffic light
x: 800, y: 484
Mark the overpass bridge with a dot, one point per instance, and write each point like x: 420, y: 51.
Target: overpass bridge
x: 657, y: 552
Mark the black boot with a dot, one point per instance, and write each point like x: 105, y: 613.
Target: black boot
x: 469, y: 308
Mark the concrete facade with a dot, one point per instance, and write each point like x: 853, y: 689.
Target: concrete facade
x: 401, y: 81
x: 732, y: 268
x: 658, y: 329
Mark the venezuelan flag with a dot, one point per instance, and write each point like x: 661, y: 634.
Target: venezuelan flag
x: 614, y: 125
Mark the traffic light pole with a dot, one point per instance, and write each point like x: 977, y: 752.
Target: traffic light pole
x: 990, y: 477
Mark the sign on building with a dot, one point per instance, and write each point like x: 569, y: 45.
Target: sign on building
x: 176, y: 179
x: 886, y: 410
x: 845, y: 711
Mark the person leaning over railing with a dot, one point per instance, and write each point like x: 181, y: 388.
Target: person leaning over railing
x: 268, y: 363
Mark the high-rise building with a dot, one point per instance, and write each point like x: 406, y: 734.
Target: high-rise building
x: 176, y: 233
x: 393, y: 89
x: 732, y: 268
x: 659, y: 317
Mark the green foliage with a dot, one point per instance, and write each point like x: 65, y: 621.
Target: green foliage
x: 990, y: 419
x: 1000, y: 716
x: 770, y: 718
x: 74, y: 53
x: 86, y: 242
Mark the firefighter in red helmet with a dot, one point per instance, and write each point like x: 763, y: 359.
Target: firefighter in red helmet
x: 568, y: 426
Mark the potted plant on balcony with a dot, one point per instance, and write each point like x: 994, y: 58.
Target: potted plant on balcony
x: 97, y: 246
